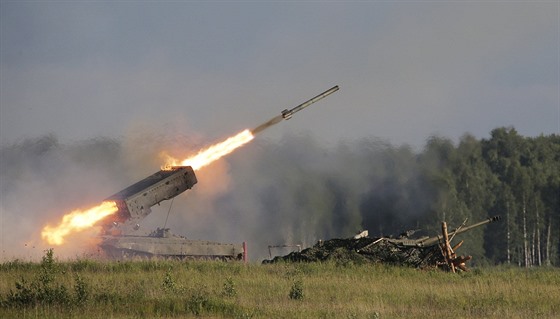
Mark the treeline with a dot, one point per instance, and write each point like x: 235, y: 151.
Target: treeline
x: 305, y: 192
x: 509, y: 175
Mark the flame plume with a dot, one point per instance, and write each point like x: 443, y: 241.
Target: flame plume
x: 212, y: 153
x: 76, y: 221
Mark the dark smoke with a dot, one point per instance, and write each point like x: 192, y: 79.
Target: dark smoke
x: 296, y: 192
x: 267, y: 193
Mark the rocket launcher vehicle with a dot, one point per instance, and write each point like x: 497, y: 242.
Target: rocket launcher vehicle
x: 134, y: 204
x: 120, y: 214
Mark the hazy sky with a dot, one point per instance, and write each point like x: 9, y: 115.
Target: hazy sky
x: 406, y: 69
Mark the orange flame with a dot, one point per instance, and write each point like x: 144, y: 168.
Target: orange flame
x: 212, y: 153
x: 77, y: 221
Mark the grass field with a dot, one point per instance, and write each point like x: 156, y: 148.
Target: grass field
x: 210, y: 289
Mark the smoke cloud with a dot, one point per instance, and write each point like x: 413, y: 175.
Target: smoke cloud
x: 43, y: 179
x: 293, y: 191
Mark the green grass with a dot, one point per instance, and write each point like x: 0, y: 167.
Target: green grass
x: 173, y: 289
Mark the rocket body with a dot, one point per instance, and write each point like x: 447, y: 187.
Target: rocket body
x: 287, y: 114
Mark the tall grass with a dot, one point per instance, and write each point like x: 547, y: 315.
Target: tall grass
x: 174, y: 289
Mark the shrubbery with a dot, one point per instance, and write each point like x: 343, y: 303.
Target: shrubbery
x: 45, y: 289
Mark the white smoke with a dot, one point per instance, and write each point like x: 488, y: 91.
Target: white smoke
x: 265, y: 193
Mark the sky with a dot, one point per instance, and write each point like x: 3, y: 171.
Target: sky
x: 406, y: 69
x: 91, y: 92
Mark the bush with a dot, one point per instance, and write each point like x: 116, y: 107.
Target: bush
x: 44, y: 289
x: 229, y: 288
x: 296, y: 292
x: 169, y: 284
x: 199, y: 301
x: 81, y: 290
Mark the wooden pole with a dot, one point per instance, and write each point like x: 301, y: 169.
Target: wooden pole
x: 457, y: 246
x: 245, y: 253
x: 447, y: 247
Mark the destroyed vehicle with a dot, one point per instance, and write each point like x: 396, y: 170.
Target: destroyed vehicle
x: 424, y: 252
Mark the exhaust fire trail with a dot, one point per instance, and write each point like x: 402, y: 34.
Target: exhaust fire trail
x: 218, y: 150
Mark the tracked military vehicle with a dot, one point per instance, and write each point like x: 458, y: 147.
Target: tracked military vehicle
x: 161, y: 243
x: 119, y: 238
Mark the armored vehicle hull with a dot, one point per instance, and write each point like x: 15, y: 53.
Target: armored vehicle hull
x: 163, y: 244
